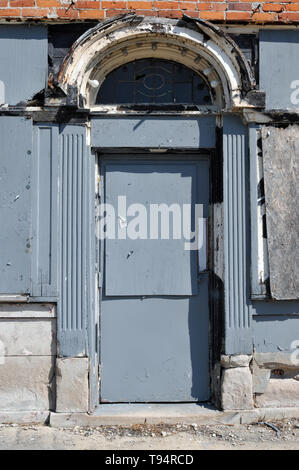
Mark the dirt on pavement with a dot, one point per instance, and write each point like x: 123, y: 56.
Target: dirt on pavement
x: 282, y: 435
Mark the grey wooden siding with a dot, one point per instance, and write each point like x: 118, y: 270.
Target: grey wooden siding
x: 77, y: 271
x: 238, y: 336
x: 281, y: 166
x: 271, y: 307
x: 279, y: 68
x: 15, y: 205
x: 163, y: 132
x: 23, y: 62
x: 45, y: 210
x: 275, y: 333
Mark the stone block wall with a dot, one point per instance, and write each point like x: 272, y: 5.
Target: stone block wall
x: 275, y: 380
x: 27, y: 357
x: 264, y: 380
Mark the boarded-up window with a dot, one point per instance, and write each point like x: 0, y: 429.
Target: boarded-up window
x: 281, y: 164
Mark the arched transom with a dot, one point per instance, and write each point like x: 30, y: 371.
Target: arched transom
x: 102, y: 50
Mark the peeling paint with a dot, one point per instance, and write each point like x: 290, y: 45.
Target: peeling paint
x: 194, y: 43
x: 280, y: 164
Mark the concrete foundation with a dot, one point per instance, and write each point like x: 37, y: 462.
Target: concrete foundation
x: 264, y: 380
x: 26, y: 383
x: 27, y: 358
x: 72, y: 384
x: 33, y: 381
x: 24, y: 417
x: 131, y: 414
x: 236, y: 383
x: 276, y: 380
x: 279, y: 393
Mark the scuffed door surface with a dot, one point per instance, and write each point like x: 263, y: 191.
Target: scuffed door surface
x: 154, y: 313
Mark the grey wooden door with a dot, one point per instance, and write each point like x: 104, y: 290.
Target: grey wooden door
x: 154, y: 315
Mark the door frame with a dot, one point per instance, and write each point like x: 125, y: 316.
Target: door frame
x: 226, y: 135
x: 215, y: 228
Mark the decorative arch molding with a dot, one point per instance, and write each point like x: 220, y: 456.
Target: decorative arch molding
x: 196, y: 44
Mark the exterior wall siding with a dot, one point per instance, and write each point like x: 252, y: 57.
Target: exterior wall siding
x: 44, y: 269
x: 27, y: 357
x: 238, y: 336
x: 47, y: 176
x: 23, y: 62
x: 279, y: 68
x: 16, y: 205
x: 76, y: 233
x: 275, y: 333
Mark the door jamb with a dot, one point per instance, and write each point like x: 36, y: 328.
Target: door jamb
x: 215, y: 249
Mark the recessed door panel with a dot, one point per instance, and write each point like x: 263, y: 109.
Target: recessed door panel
x: 157, y: 350
x: 153, y: 193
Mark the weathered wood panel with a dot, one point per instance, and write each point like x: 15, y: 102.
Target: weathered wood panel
x: 23, y: 62
x: 279, y: 68
x: 15, y: 205
x: 45, y: 210
x: 281, y: 165
x: 275, y: 333
x: 238, y: 334
x: 165, y: 132
x: 77, y: 263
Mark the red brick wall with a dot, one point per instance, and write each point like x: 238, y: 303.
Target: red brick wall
x: 219, y: 11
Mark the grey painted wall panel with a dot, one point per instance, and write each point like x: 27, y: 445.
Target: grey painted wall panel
x: 164, y: 132
x: 279, y: 68
x: 275, y: 333
x: 23, y: 61
x: 92, y: 286
x: 238, y: 336
x: 76, y: 232
x: 272, y: 307
x: 15, y: 204
x: 281, y: 169
x: 45, y: 210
